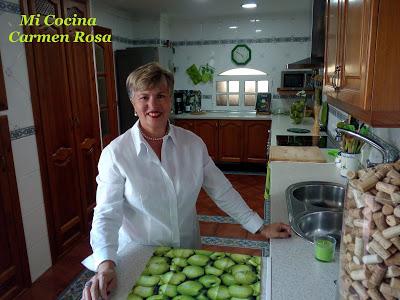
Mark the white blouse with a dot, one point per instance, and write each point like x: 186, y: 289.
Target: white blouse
x: 151, y: 202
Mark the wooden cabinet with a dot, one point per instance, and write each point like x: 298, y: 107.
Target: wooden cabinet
x: 187, y: 124
x: 208, y: 131
x: 232, y: 140
x: 14, y: 268
x: 67, y: 123
x: 256, y: 135
x: 106, y: 87
x: 361, y: 59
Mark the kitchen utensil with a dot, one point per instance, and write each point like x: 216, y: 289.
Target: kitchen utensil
x: 298, y: 130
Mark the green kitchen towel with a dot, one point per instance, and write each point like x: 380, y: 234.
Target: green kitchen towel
x: 324, y: 114
x: 267, y: 183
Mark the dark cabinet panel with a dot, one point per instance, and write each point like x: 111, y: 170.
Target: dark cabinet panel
x: 256, y: 135
x: 231, y: 141
x: 14, y: 268
x: 208, y: 131
x: 64, y: 101
x: 187, y: 124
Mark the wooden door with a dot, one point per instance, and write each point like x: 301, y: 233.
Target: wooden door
x: 331, y: 44
x: 256, y: 135
x: 3, y: 95
x: 187, y: 124
x: 230, y: 141
x: 106, y: 87
x: 356, y: 26
x: 85, y: 110
x: 54, y: 124
x: 208, y: 131
x: 14, y: 267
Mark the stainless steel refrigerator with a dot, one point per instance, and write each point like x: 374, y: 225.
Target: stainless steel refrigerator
x: 128, y: 60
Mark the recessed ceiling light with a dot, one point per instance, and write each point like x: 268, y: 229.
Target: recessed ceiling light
x: 258, y: 30
x: 249, y: 5
x: 233, y: 27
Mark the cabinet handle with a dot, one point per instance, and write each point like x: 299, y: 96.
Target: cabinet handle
x: 333, y: 78
x: 336, y: 77
x: 338, y: 70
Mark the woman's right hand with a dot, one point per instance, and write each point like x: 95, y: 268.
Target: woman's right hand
x: 101, y: 284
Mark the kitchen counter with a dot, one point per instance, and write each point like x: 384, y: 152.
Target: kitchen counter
x: 280, y: 124
x: 223, y: 115
x: 132, y: 261
x: 296, y: 274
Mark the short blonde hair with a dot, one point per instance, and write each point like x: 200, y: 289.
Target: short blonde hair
x: 148, y: 76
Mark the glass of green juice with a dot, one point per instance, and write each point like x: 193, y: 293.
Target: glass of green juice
x: 324, y: 248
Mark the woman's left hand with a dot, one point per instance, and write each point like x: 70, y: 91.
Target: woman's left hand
x: 276, y: 230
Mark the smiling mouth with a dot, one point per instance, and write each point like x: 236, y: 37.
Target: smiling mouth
x: 154, y: 114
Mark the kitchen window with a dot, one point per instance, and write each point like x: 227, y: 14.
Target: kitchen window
x: 238, y: 92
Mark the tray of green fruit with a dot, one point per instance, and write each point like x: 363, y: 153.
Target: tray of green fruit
x: 187, y: 274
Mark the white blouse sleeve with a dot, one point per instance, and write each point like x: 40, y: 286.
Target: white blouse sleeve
x: 108, y: 213
x: 226, y: 197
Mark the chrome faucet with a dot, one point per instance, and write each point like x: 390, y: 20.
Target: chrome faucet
x: 389, y: 153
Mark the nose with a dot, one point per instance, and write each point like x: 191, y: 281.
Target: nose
x: 153, y: 101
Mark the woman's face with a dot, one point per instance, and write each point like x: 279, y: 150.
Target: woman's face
x: 153, y: 107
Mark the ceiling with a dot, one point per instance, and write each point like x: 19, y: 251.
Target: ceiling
x: 200, y: 9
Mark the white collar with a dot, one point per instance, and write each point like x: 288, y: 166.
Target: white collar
x: 140, y: 142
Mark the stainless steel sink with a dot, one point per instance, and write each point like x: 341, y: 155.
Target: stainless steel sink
x: 319, y: 223
x: 316, y: 195
x: 315, y: 208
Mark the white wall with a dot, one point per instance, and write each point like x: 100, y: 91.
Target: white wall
x: 390, y: 135
x: 24, y: 146
x: 125, y: 25
x: 214, y: 41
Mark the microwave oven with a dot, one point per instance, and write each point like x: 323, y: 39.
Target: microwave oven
x: 292, y: 79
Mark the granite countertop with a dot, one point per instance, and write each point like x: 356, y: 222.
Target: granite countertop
x: 223, y: 115
x: 296, y: 274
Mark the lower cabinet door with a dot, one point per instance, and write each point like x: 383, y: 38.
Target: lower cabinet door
x: 208, y: 131
x: 231, y: 141
x: 256, y: 135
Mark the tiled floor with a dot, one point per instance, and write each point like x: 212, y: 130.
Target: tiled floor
x: 219, y: 233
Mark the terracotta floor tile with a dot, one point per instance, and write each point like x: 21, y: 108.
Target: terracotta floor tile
x: 231, y: 231
x: 255, y: 237
x: 208, y: 228
x: 247, y: 251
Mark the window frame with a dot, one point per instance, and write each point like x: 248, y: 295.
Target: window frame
x: 241, y: 79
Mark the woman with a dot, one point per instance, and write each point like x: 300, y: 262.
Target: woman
x: 149, y: 180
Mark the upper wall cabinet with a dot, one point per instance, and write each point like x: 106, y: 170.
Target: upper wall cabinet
x: 362, y: 59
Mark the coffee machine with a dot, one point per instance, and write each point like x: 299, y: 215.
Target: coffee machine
x: 179, y: 101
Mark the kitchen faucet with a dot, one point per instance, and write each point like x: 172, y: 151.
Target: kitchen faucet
x: 389, y: 153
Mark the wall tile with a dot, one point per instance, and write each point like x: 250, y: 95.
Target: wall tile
x: 25, y: 154
x: 30, y: 193
x: 35, y: 226
x: 39, y: 258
